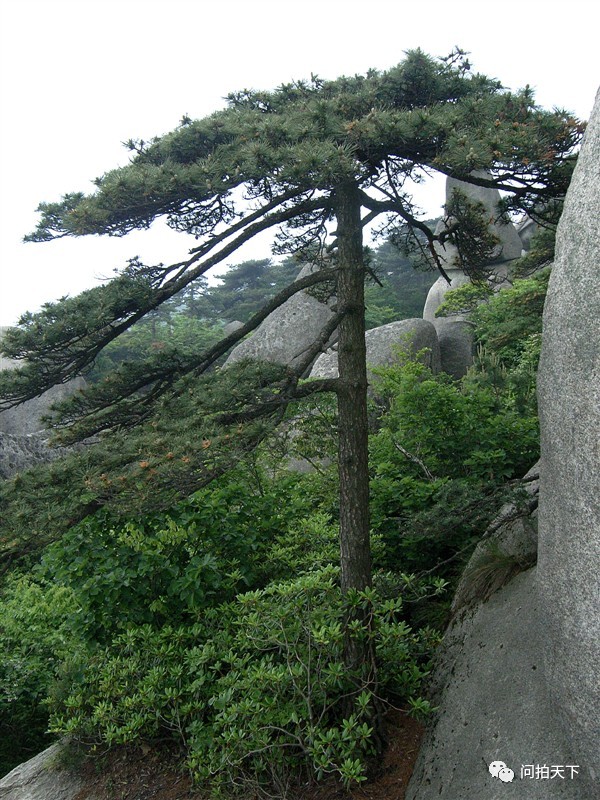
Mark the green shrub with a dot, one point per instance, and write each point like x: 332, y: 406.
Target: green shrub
x: 256, y: 690
x: 165, y: 568
x: 442, y: 451
x: 35, y: 640
x: 505, y: 324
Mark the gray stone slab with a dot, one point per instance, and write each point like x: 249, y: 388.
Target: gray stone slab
x: 288, y: 332
x: 493, y: 706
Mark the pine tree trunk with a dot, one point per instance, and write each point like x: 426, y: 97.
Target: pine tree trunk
x: 352, y: 422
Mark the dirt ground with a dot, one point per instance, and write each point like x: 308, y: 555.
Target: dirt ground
x: 142, y: 773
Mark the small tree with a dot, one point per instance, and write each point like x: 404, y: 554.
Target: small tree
x: 300, y: 159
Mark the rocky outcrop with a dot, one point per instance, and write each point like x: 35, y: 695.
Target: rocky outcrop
x: 232, y: 327
x: 437, y: 293
x: 527, y: 230
x: 569, y: 524
x: 43, y: 778
x: 23, y: 438
x: 385, y: 345
x: 27, y: 418
x: 455, y: 337
x: 288, y: 332
x: 489, y: 685
x: 508, y: 547
x: 492, y: 705
x: 509, y: 244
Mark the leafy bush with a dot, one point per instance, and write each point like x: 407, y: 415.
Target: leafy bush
x: 35, y: 640
x: 165, y: 568
x: 506, y: 323
x: 442, y: 450
x: 256, y: 690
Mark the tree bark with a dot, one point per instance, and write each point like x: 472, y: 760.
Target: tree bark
x: 352, y: 396
x: 353, y: 460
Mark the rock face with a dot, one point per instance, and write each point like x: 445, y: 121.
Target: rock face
x: 232, y: 326
x: 526, y: 230
x: 455, y: 337
x: 23, y: 440
x: 510, y: 545
x: 286, y: 333
x: 18, y: 453
x: 569, y: 401
x: 493, y: 706
x: 42, y: 779
x: 437, y: 293
x: 489, y: 684
x: 517, y: 678
x: 26, y: 418
x: 382, y: 343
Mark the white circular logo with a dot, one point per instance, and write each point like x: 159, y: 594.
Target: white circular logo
x: 506, y: 774
x: 495, y: 768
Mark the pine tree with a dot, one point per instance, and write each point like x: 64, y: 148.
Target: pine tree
x: 298, y: 160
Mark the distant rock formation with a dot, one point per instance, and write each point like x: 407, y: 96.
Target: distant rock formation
x: 526, y: 230
x: 232, y: 327
x: 27, y: 418
x: 287, y: 333
x: 454, y: 333
x: 18, y: 453
x: 23, y: 438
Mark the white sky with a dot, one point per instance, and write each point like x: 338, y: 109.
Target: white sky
x: 78, y: 77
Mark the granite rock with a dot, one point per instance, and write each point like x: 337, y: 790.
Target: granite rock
x: 43, y: 778
x: 492, y: 705
x: 383, y: 343
x: 285, y: 335
x: 569, y: 515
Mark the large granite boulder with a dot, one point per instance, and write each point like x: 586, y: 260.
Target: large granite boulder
x: 43, y: 778
x: 437, y: 293
x: 489, y: 685
x: 527, y: 229
x: 383, y: 346
x: 509, y: 243
x: 569, y: 518
x: 517, y: 675
x: 492, y: 705
x: 456, y: 345
x: 285, y: 335
x: 454, y: 333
